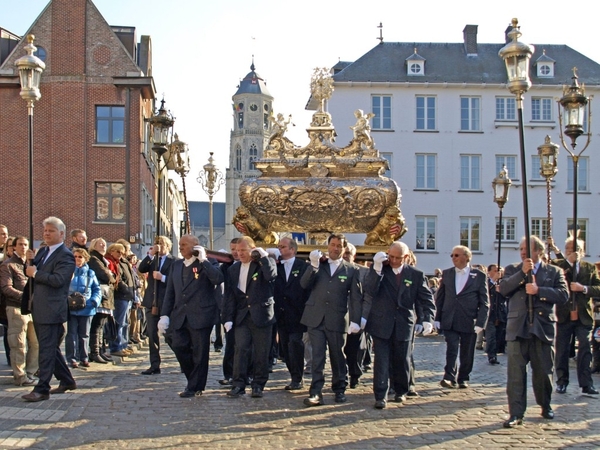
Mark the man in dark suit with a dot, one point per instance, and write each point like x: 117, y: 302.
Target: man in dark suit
x: 462, y: 304
x: 333, y: 309
x: 189, y: 309
x: 158, y: 270
x: 495, y: 330
x: 248, y: 309
x: 393, y: 293
x: 50, y: 273
x: 229, y: 352
x: 530, y: 334
x: 290, y: 299
x: 576, y: 319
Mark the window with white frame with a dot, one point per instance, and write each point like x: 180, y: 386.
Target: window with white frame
x: 469, y: 232
x: 506, y: 108
x: 425, y: 227
x: 507, y: 230
x: 381, y: 106
x: 388, y: 157
x: 582, y: 226
x: 416, y: 68
x: 535, y: 168
x: 582, y: 174
x: 545, y: 70
x: 426, y: 113
x: 541, y: 109
x: 539, y: 228
x: 470, y: 172
x: 470, y: 114
x: 510, y: 161
x: 426, y: 171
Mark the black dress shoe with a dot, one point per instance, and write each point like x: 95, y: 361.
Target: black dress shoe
x: 151, y: 371
x: 561, y: 389
x: 236, y: 391
x: 257, y: 392
x: 493, y: 361
x: 225, y: 382
x: 463, y: 385
x: 294, y: 386
x: 547, y: 413
x: 412, y: 393
x: 106, y: 357
x: 354, y: 381
x: 448, y: 384
x: 398, y: 398
x: 35, y: 397
x: 62, y: 388
x: 340, y: 397
x: 314, y: 400
x: 512, y: 422
x: 189, y: 393
x: 380, y: 404
x: 98, y: 359
x: 589, y: 391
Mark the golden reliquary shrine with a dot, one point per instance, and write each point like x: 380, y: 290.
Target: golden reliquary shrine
x: 321, y: 188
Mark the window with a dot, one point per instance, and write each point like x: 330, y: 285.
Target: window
x: 470, y: 114
x: 581, y: 226
x: 381, y: 106
x: 425, y: 233
x: 535, y: 168
x: 545, y: 70
x: 41, y: 53
x: 110, y: 202
x: 469, y: 232
x: 110, y: 124
x: 507, y: 230
x: 388, y: 157
x: 240, y: 117
x: 539, y: 228
x: 506, y: 108
x: 470, y: 172
x: 425, y: 171
x: 238, y: 157
x: 415, y: 69
x: 541, y: 109
x: 582, y: 174
x: 510, y: 162
x: 253, y: 156
x: 425, y: 113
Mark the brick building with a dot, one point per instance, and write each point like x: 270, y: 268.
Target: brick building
x: 93, y: 165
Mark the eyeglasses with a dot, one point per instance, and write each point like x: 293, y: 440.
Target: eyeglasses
x: 456, y: 255
x: 79, y: 257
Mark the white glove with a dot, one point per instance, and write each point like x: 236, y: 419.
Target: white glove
x: 163, y: 324
x: 228, y: 326
x: 314, y: 257
x: 262, y: 252
x: 353, y: 328
x: 478, y: 329
x: 274, y: 253
x: 363, y: 323
x: 437, y: 325
x: 427, y: 328
x: 201, y: 253
x: 378, y: 260
x: 418, y: 328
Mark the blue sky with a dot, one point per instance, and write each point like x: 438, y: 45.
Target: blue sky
x: 202, y: 48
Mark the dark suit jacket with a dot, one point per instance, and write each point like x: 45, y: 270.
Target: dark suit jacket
x: 148, y: 265
x: 290, y: 297
x: 552, y: 291
x: 389, y: 306
x: 587, y: 276
x: 257, y: 300
x: 196, y: 300
x: 336, y: 299
x: 51, y: 286
x: 497, y: 304
x: 464, y: 311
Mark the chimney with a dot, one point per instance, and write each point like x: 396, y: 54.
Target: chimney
x: 470, y: 37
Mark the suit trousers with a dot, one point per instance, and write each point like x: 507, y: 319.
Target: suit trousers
x: 461, y: 345
x: 564, y: 333
x: 192, y: 348
x: 495, y: 338
x: 51, y: 360
x: 251, y: 342
x: 395, y: 357
x: 354, y: 354
x: 292, y: 348
x: 153, y: 338
x: 228, y: 354
x: 320, y: 340
x: 540, y: 355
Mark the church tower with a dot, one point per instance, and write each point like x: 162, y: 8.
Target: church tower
x: 252, y: 110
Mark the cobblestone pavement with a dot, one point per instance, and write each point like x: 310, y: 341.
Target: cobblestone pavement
x: 117, y: 407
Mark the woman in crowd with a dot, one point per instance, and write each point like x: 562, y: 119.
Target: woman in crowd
x: 7, y: 251
x: 78, y: 328
x: 99, y: 264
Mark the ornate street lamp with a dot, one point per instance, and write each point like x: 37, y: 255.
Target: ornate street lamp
x: 501, y: 185
x: 548, y: 153
x: 30, y: 71
x: 181, y: 161
x: 516, y: 56
x: 211, y: 180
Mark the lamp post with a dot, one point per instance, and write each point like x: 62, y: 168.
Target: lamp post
x: 30, y: 71
x: 516, y: 56
x: 211, y: 180
x: 548, y: 153
x: 501, y: 185
x: 179, y: 151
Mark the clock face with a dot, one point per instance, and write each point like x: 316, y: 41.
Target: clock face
x: 253, y: 107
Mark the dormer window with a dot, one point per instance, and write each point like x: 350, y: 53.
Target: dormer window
x: 415, y: 65
x: 416, y: 68
x: 545, y: 66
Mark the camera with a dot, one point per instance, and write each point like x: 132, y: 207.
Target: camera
x: 255, y: 255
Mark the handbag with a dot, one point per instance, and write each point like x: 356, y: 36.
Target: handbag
x: 77, y: 300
